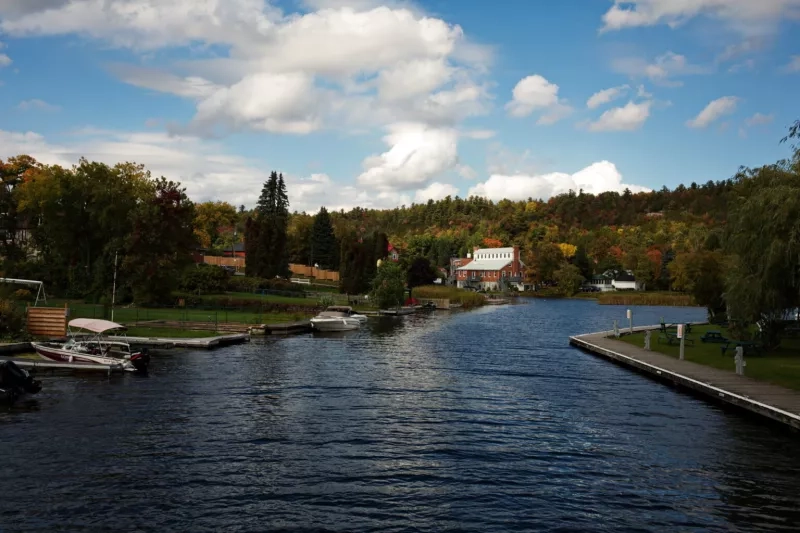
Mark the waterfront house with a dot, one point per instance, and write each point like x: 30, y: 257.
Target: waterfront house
x: 615, y: 280
x: 491, y: 269
x: 394, y: 254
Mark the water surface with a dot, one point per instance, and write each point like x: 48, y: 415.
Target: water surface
x: 475, y: 421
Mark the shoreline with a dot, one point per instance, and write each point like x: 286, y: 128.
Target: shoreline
x: 772, y: 402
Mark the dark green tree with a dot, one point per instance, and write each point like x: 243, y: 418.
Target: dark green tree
x: 388, y: 286
x: 323, y: 241
x: 581, y: 260
x: 421, y: 272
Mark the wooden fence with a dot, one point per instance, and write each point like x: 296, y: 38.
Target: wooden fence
x: 298, y: 270
x: 47, y: 321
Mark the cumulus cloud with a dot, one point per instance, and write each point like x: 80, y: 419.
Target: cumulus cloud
x: 630, y: 117
x: 205, y: 168
x: 535, y: 93
x: 355, y: 64
x: 417, y: 154
x: 661, y: 71
x: 792, y: 66
x: 596, y: 178
x: 745, y: 16
x: 36, y: 105
x: 713, y: 111
x: 479, y: 134
x: 605, y: 96
x: 435, y: 191
x: 4, y: 59
x: 759, y: 119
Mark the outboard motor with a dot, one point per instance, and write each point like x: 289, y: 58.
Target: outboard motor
x: 17, y: 381
x: 141, y: 361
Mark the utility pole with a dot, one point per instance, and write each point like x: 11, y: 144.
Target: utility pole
x: 114, y: 288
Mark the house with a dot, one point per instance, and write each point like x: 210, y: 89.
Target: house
x: 238, y: 251
x: 615, y: 280
x: 491, y: 269
x: 394, y: 255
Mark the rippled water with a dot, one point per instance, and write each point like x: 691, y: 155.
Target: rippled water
x: 475, y: 421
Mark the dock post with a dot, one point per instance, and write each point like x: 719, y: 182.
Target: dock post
x: 739, y: 360
x: 682, y: 336
x: 647, y: 340
x: 630, y: 321
x: 616, y: 330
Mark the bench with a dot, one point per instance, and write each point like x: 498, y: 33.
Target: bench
x: 750, y: 348
x: 713, y: 336
x: 670, y: 338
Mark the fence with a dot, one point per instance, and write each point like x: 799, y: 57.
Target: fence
x: 47, y: 321
x: 237, y: 262
x: 311, y: 272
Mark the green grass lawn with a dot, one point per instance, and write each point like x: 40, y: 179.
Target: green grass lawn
x: 781, y: 366
x: 266, y: 298
x: 133, y: 315
x: 174, y: 333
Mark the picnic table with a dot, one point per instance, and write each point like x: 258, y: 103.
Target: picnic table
x: 750, y: 348
x: 671, y: 338
x: 713, y: 335
x: 664, y: 327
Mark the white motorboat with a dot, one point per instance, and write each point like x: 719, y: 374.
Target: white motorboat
x: 96, y: 348
x: 337, y: 318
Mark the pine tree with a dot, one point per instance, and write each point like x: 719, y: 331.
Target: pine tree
x: 280, y: 230
x: 323, y: 241
x: 265, y: 255
x: 251, y: 241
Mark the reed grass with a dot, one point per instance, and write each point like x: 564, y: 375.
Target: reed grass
x: 646, y: 298
x: 467, y: 299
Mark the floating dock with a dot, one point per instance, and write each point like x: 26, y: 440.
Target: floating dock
x: 765, y: 399
x: 285, y: 328
x: 205, y: 343
x: 53, y: 365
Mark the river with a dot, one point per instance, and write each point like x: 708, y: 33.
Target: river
x: 472, y: 421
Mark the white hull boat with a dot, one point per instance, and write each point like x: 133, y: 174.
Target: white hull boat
x: 95, y: 350
x: 337, y: 318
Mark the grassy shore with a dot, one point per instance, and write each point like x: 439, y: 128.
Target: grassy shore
x: 781, y: 366
x: 467, y: 299
x: 661, y: 298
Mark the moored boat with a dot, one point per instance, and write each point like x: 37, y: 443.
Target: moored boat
x: 96, y: 348
x: 337, y: 318
x: 16, y: 382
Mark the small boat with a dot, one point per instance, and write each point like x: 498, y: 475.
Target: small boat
x: 337, y: 318
x: 95, y: 348
x: 16, y: 382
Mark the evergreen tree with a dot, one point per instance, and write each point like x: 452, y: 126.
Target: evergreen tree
x: 280, y: 264
x: 581, y: 260
x: 323, y: 241
x: 265, y: 254
x: 251, y: 241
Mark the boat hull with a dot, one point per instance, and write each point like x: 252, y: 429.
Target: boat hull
x: 68, y: 356
x: 336, y: 324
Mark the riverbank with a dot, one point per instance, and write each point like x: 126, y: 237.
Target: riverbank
x: 768, y: 400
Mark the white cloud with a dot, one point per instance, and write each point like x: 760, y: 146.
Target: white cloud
x: 435, y: 191
x: 596, y: 178
x: 661, y: 71
x: 36, y: 104
x: 745, y: 16
x: 792, y: 66
x: 535, y: 93
x: 714, y: 110
x: 352, y: 64
x: 417, y: 154
x: 466, y: 172
x: 630, y: 117
x: 747, y: 64
x: 759, y: 119
x: 605, y: 96
x: 745, y: 47
x: 4, y: 59
x: 204, y: 167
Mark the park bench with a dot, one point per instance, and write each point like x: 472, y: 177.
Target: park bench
x: 750, y: 348
x: 713, y: 336
x: 671, y: 338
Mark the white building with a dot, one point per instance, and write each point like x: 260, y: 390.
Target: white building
x: 491, y: 269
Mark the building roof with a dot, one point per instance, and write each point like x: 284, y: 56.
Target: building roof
x: 486, y: 251
x: 486, y: 264
x: 625, y: 276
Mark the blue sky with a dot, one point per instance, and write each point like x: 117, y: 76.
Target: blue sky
x: 378, y: 104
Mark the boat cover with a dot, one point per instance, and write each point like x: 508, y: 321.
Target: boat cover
x: 95, y: 325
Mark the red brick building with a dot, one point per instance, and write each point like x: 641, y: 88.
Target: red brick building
x: 491, y: 269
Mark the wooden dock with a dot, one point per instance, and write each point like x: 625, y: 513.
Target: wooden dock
x: 205, y: 343
x: 766, y: 399
x: 53, y: 365
x: 284, y: 328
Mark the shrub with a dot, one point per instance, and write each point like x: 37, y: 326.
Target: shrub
x: 467, y: 299
x: 12, y: 321
x: 23, y: 295
x: 250, y: 284
x: 204, y: 279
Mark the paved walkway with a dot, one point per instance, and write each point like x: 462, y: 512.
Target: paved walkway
x: 712, y: 381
